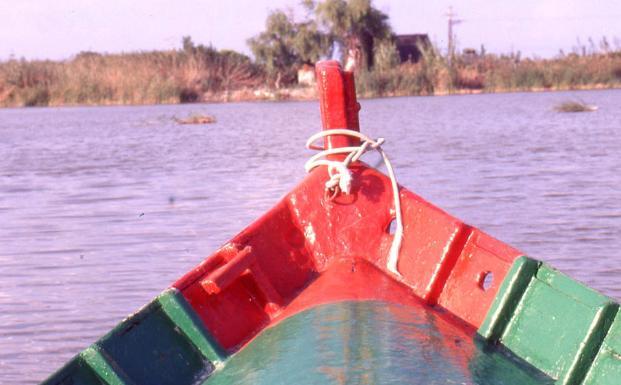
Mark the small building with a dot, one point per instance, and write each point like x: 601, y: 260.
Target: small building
x: 306, y: 75
x: 469, y: 55
x: 411, y: 46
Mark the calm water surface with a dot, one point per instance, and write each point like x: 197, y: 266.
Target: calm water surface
x: 102, y: 208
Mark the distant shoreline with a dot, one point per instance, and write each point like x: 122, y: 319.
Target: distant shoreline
x: 210, y: 76
x: 300, y: 94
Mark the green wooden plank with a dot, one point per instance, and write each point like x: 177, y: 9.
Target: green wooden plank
x: 102, y: 366
x: 183, y: 316
x: 592, y: 343
x: 559, y: 325
x: 74, y: 372
x: 509, y: 295
x: 164, y: 342
x: 550, y: 320
x: 150, y: 348
x: 576, y: 290
x: 606, y: 369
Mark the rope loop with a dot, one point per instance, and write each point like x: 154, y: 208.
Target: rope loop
x: 341, y: 177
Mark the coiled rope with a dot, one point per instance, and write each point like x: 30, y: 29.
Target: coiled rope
x: 341, y: 177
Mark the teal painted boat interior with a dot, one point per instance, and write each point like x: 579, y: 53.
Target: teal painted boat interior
x: 370, y: 343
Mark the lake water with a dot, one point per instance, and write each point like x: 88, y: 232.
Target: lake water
x: 102, y: 208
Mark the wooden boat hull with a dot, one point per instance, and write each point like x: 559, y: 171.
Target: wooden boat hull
x: 310, y: 250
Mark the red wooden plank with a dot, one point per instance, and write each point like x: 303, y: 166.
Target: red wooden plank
x: 221, y: 278
x: 464, y: 293
x: 338, y: 104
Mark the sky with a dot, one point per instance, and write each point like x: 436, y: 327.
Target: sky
x: 43, y: 29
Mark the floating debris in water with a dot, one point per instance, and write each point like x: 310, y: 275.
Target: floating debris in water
x: 575, y: 106
x: 196, y: 119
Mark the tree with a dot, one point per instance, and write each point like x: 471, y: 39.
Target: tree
x: 385, y: 56
x: 286, y: 44
x: 354, y: 24
x: 187, y: 44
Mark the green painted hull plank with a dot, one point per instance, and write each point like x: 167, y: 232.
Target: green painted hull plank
x: 550, y: 329
x: 151, y: 348
x: 594, y: 339
x: 94, y: 358
x: 183, y: 316
x: 163, y: 343
x: 508, y: 297
x: 550, y: 320
x: 606, y: 368
x: 75, y: 372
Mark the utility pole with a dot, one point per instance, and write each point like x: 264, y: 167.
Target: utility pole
x: 452, y: 20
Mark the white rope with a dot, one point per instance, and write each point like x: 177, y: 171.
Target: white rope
x: 341, y: 178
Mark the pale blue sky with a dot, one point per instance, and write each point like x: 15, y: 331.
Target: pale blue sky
x: 60, y: 28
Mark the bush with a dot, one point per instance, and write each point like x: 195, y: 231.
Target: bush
x: 184, y: 76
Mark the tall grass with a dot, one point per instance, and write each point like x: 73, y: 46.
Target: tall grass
x: 199, y: 73
x: 492, y: 73
x: 188, y: 75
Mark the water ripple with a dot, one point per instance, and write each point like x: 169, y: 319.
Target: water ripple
x: 102, y: 208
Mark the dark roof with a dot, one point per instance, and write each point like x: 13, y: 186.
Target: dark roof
x: 409, y: 46
x: 414, y: 38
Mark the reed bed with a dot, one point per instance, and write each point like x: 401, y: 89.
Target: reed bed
x: 492, y: 73
x: 199, y: 73
x: 190, y: 75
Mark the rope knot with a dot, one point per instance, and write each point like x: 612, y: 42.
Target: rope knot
x: 341, y: 177
x: 378, y: 142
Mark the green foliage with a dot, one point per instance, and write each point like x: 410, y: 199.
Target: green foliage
x: 194, y: 73
x: 490, y: 73
x: 197, y: 72
x: 187, y: 44
x: 354, y: 24
x: 386, y: 56
x: 286, y: 44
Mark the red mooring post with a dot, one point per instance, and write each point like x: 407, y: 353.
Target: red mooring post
x: 337, y: 100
